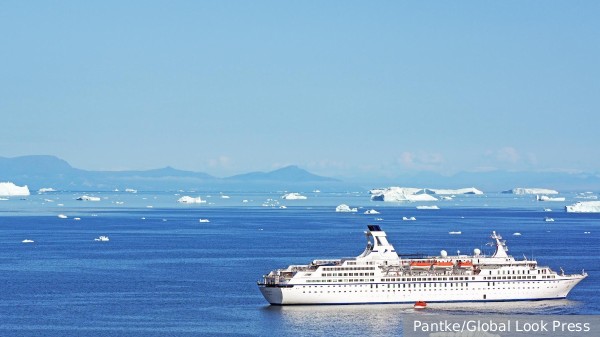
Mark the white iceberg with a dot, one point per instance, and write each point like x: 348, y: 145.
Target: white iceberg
x: 371, y: 211
x: 343, y: 208
x: 62, y: 216
x: 547, y: 198
x: 102, y: 238
x: 46, y: 189
x: 293, y: 196
x: 427, y: 207
x: 8, y: 189
x: 131, y: 190
x: 529, y: 190
x: 412, y: 218
x: 584, y: 207
x: 467, y: 190
x: 204, y: 220
x: 399, y: 194
x: 190, y: 200
x: 88, y: 198
x: 27, y: 241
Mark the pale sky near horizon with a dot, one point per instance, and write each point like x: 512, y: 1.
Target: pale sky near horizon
x: 341, y: 88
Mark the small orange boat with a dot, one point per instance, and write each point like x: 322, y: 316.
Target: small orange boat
x: 420, y: 305
x: 465, y: 265
x: 443, y: 265
x: 420, y: 265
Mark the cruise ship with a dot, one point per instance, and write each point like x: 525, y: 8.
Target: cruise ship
x: 380, y: 275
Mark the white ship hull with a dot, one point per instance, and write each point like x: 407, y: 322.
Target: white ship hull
x: 379, y: 275
x: 399, y: 292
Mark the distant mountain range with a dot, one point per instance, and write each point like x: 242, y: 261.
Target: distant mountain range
x: 49, y: 171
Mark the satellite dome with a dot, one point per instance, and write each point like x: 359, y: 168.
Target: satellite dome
x: 476, y: 251
x: 444, y: 253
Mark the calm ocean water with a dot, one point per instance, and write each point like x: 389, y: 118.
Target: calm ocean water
x: 163, y: 273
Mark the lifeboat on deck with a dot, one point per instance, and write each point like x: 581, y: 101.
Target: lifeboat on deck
x: 465, y: 265
x: 443, y: 265
x: 420, y: 265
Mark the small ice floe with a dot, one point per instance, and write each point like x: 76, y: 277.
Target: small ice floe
x: 343, y: 208
x: 143, y: 218
x: 517, y: 234
x: 547, y: 209
x: 88, y: 198
x: 4, y: 199
x: 62, y: 216
x: 149, y: 206
x: 378, y: 219
x: 548, y: 219
x: 547, y: 198
x: 27, y: 241
x: 130, y: 190
x: 203, y: 220
x: 316, y: 191
x: 102, y: 238
x: 427, y: 207
x: 412, y: 218
x: 189, y: 200
x: 371, y: 211
x: 119, y: 202
x: 455, y: 233
x: 283, y: 207
x: 245, y: 200
x: 76, y: 219
x: 224, y: 196
x: 586, y: 232
x: 293, y: 196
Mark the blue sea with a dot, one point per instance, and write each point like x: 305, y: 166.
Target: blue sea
x: 165, y: 273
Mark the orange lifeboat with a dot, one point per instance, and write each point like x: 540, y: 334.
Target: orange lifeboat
x: 420, y: 265
x: 420, y: 305
x: 443, y: 265
x: 465, y: 265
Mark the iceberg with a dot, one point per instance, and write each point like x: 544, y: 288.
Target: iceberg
x: 293, y: 196
x: 427, y: 207
x: 547, y: 198
x: 584, y: 207
x: 345, y: 208
x: 527, y: 190
x: 467, y: 190
x: 412, y: 218
x: 46, y: 189
x: 371, y: 211
x: 189, y: 200
x: 88, y: 198
x: 8, y: 189
x: 399, y: 194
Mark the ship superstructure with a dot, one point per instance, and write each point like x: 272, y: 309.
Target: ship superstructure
x: 380, y: 275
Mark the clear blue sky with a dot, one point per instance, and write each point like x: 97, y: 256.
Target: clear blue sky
x: 342, y: 88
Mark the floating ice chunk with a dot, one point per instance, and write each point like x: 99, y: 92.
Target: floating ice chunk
x: 528, y: 190
x: 225, y: 197
x: 517, y: 234
x: 548, y: 219
x: 204, y: 220
x: 27, y: 241
x: 102, y: 238
x: 584, y: 207
x: 371, y: 211
x: 547, y: 198
x: 88, y: 198
x: 399, y: 194
x: 76, y: 219
x: 427, y: 207
x: 412, y: 218
x: 293, y: 196
x: 62, y: 216
x: 343, y: 208
x: 189, y: 200
x: 8, y: 189
x: 130, y: 190
x: 467, y: 190
x: 45, y: 190
x: 455, y: 233
x: 547, y: 209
